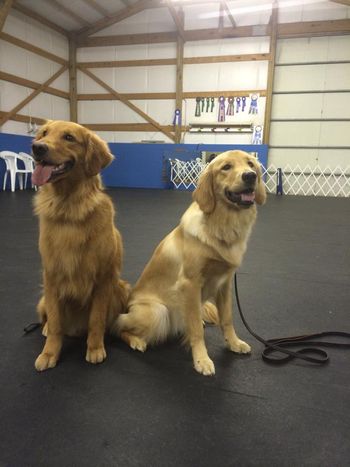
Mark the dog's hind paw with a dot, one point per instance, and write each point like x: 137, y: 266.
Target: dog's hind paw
x: 96, y: 355
x: 239, y: 346
x: 135, y: 342
x: 45, y: 361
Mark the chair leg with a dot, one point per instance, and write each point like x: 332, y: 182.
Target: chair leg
x: 25, y: 181
x: 13, y: 180
x: 20, y: 179
x: 5, y: 180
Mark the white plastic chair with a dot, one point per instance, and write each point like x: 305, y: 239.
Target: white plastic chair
x: 11, y: 160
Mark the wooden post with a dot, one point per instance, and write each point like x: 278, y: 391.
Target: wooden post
x: 179, y: 78
x: 4, y: 11
x: 271, y: 72
x: 73, y: 101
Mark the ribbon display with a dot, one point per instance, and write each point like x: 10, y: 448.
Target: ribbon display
x: 238, y: 104
x: 253, y: 109
x: 198, y: 107
x: 212, y: 100
x: 230, y: 107
x: 208, y: 104
x: 177, y: 117
x: 244, y: 103
x: 221, y: 115
x: 257, y: 134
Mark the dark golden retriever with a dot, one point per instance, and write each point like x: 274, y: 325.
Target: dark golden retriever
x: 81, y: 250
x: 190, y: 272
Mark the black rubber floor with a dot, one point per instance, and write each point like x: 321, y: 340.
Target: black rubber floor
x: 153, y: 409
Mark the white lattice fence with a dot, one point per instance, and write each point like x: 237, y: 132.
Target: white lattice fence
x: 306, y: 181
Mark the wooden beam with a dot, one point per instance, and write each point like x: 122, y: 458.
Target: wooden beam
x: 314, y: 28
x: 342, y: 2
x: 177, y: 20
x: 270, y: 73
x: 70, y: 13
x: 129, y: 104
x: 126, y: 127
x: 24, y: 118
x: 228, y: 13
x: 31, y: 84
x: 37, y: 50
x: 300, y: 29
x: 73, y: 101
x: 172, y: 61
x: 170, y: 95
x: 4, y: 11
x: 97, y: 7
x: 221, y: 16
x: 42, y: 87
x: 179, y: 76
x: 112, y: 19
x: 41, y: 19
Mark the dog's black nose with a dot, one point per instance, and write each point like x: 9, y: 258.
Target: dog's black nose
x: 40, y: 150
x: 249, y: 177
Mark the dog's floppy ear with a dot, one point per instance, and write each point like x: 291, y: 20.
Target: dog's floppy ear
x: 204, y: 193
x: 260, y: 191
x: 98, y: 155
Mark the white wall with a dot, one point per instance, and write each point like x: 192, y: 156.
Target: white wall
x: 316, y: 106
x: 28, y: 65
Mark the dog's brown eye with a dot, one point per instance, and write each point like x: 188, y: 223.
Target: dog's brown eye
x: 251, y: 164
x: 69, y: 137
x: 226, y: 167
x: 44, y: 133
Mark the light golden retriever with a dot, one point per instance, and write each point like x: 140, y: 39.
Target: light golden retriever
x: 81, y: 250
x: 192, y: 268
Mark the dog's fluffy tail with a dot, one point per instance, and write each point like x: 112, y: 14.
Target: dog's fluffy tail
x: 210, y: 313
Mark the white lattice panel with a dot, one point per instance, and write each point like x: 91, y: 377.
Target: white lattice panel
x: 304, y: 181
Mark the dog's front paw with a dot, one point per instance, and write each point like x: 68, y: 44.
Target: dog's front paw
x: 239, y: 346
x: 45, y: 361
x: 135, y: 342
x: 204, y: 366
x: 96, y: 355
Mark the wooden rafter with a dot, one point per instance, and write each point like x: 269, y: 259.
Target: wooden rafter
x: 73, y: 101
x: 342, y: 2
x: 70, y: 13
x: 42, y: 88
x: 179, y: 76
x: 300, y: 29
x: 97, y: 7
x: 228, y: 13
x: 173, y: 61
x: 129, y: 104
x: 170, y: 95
x: 221, y: 16
x: 32, y: 48
x: 177, y: 20
x: 271, y: 72
x: 4, y: 11
x: 41, y: 19
x: 31, y: 84
x: 24, y: 118
x: 119, y: 16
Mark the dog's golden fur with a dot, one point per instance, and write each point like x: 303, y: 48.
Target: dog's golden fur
x: 81, y: 249
x: 190, y: 272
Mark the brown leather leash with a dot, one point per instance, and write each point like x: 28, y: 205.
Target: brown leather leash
x: 280, y: 345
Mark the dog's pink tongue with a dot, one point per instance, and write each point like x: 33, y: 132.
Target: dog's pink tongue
x: 42, y: 174
x: 248, y: 196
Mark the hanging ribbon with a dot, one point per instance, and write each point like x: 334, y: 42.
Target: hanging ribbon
x: 177, y: 117
x: 208, y: 103
x: 257, y: 134
x: 238, y: 104
x: 244, y: 103
x: 230, y: 108
x: 212, y: 100
x: 221, y: 116
x: 253, y: 109
x: 203, y: 102
x: 198, y: 107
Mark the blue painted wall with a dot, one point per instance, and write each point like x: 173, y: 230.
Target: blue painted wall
x: 137, y: 165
